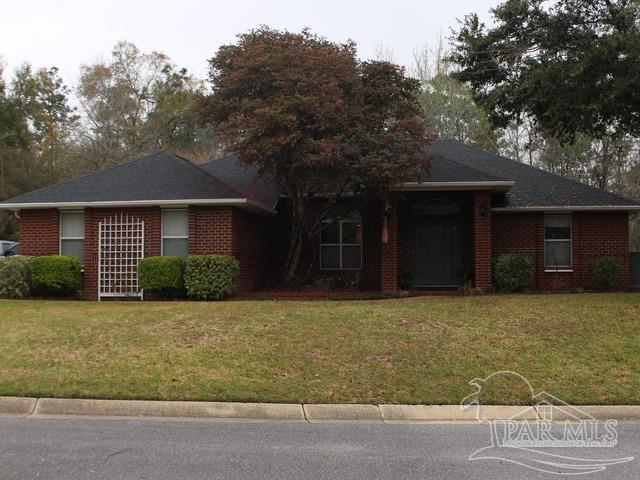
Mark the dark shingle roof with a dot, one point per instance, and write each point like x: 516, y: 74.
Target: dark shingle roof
x: 243, y: 179
x: 445, y: 170
x: 159, y: 176
x: 533, y: 187
x: 163, y: 176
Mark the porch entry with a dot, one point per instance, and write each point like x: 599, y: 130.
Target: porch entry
x: 120, y: 249
x: 436, y: 244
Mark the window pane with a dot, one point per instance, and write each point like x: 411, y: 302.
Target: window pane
x: 352, y: 233
x: 331, y: 233
x: 175, y: 247
x: 351, y: 257
x: 175, y: 223
x: 330, y: 257
x: 557, y: 254
x: 72, y: 247
x: 72, y: 224
x: 557, y: 227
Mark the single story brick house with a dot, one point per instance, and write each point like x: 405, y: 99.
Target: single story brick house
x: 435, y: 233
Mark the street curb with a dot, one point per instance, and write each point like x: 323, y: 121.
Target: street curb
x: 342, y: 412
x: 17, y: 405
x: 27, y: 406
x: 152, y: 408
x: 590, y: 412
x: 430, y: 413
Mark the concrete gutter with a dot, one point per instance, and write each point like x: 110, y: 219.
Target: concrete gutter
x: 46, y: 407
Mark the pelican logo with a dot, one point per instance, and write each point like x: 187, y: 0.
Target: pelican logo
x: 523, y: 441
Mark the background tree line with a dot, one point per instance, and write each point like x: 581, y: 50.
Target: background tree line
x: 562, y: 94
x: 129, y: 105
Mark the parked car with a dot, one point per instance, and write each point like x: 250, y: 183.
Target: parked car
x: 9, y: 249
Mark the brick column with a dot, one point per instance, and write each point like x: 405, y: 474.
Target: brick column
x: 389, y: 250
x: 482, y: 239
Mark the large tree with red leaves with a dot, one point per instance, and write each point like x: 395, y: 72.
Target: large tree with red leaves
x: 317, y: 120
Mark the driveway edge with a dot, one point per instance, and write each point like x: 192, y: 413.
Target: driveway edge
x: 28, y: 406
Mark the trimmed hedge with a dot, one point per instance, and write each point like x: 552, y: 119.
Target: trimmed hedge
x: 513, y: 272
x: 605, y: 273
x: 164, y: 275
x: 15, y: 277
x: 56, y: 275
x: 211, y: 277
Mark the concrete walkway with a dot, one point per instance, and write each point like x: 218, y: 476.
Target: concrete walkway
x: 26, y: 406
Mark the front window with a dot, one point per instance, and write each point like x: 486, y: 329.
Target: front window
x: 175, y: 233
x: 557, y: 241
x: 72, y: 234
x: 341, y: 243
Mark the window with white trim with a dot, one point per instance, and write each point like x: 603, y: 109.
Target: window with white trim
x: 341, y: 243
x: 557, y: 241
x: 72, y: 234
x: 175, y: 233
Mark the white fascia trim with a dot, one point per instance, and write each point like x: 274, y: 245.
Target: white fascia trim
x: 496, y: 186
x: 236, y: 202
x: 600, y: 208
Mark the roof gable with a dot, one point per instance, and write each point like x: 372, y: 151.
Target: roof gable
x: 159, y: 176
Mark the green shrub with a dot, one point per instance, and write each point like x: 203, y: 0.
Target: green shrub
x: 15, y: 277
x: 55, y: 275
x: 513, y: 272
x: 605, y: 273
x: 210, y: 277
x: 164, y: 275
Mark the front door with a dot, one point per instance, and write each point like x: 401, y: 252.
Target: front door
x: 435, y: 253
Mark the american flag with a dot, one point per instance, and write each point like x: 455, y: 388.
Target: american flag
x: 385, y: 230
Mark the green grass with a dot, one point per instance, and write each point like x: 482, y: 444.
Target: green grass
x: 582, y: 348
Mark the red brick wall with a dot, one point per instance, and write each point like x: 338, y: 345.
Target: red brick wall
x: 39, y: 232
x: 248, y: 248
x: 594, y: 235
x: 210, y: 230
x: 230, y: 231
x: 482, y: 252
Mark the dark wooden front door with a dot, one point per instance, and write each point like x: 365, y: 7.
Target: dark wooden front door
x: 435, y: 253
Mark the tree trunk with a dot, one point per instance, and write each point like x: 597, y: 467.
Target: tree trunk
x: 296, y: 242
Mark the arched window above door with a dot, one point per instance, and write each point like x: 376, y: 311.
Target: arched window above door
x: 435, y: 206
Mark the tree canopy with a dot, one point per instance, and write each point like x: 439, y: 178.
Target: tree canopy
x: 314, y: 118
x: 572, y: 65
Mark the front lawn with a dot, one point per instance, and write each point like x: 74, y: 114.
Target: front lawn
x: 583, y: 348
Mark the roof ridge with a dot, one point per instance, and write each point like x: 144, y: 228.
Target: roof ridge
x: 539, y: 169
x: 472, y: 168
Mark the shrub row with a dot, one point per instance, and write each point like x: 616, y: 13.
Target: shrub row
x: 50, y: 275
x: 202, y: 277
x: 513, y: 272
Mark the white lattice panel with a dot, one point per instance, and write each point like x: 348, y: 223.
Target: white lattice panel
x: 120, y: 248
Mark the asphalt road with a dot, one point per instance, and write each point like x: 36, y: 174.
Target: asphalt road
x: 88, y: 448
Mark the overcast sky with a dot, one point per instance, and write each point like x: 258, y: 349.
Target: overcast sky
x: 68, y: 33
